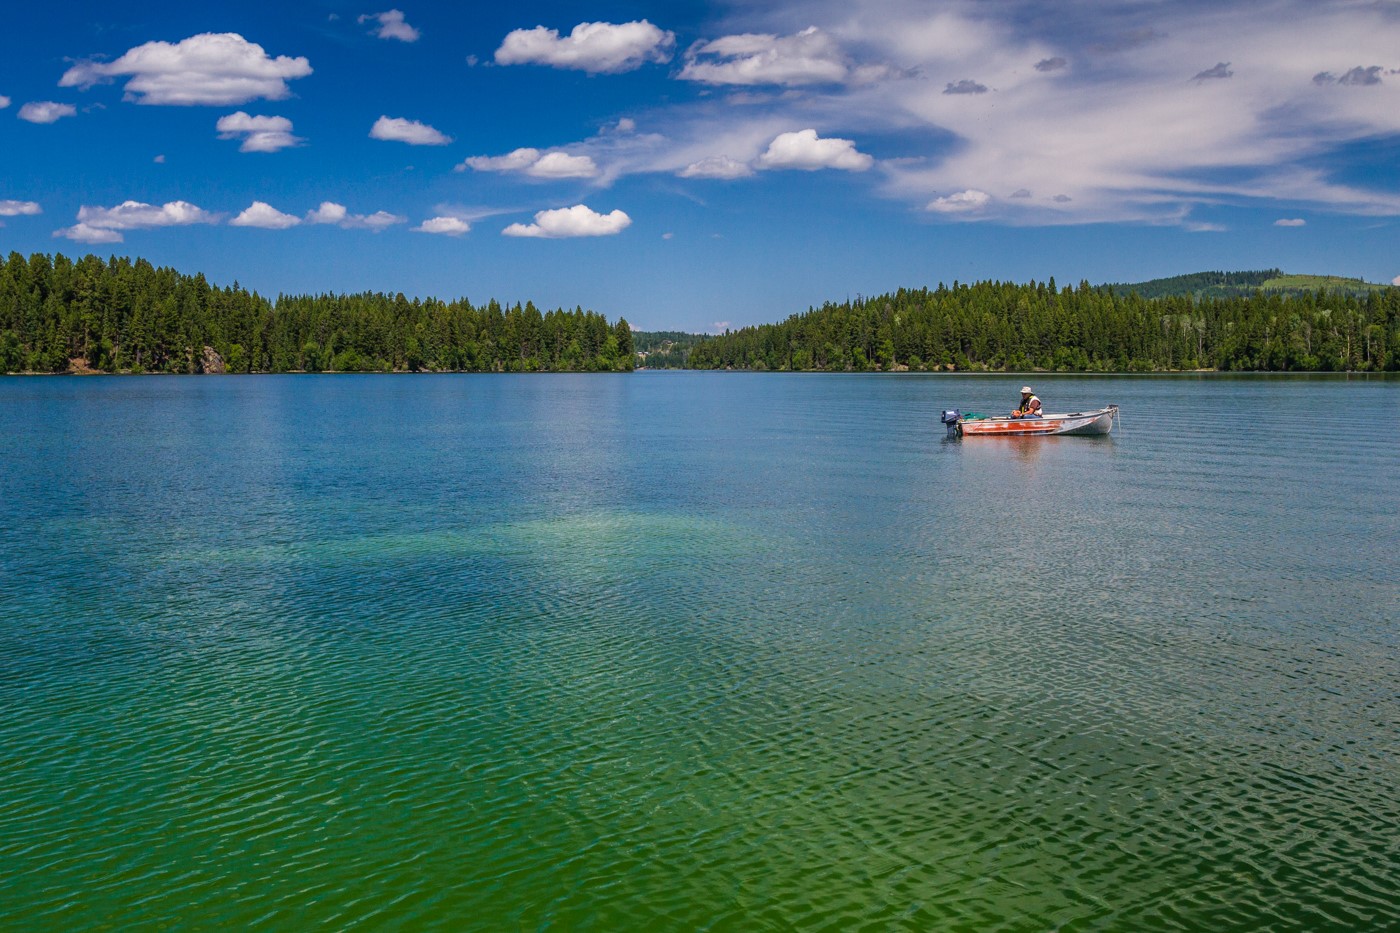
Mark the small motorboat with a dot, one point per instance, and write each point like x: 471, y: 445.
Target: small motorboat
x: 1079, y: 422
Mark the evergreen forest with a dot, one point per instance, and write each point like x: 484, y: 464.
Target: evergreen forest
x: 119, y: 315
x: 1002, y: 326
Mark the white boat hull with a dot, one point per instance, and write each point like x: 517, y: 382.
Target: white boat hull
x: 1076, y: 423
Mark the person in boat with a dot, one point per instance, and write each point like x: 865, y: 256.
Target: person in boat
x: 1030, y: 405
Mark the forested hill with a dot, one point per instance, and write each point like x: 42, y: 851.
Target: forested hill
x: 1003, y: 326
x: 1236, y: 284
x: 665, y: 349
x: 119, y: 315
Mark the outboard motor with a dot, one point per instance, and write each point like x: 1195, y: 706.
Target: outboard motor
x: 951, y: 417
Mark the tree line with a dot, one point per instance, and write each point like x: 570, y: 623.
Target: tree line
x: 1002, y: 326
x: 120, y: 315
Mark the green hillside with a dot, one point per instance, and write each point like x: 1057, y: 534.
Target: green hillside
x: 1242, y: 284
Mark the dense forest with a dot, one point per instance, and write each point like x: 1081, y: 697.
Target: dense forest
x: 1006, y: 326
x: 58, y: 315
x: 665, y: 349
x: 1243, y: 285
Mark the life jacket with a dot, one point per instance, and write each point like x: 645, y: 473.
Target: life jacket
x: 1030, y: 406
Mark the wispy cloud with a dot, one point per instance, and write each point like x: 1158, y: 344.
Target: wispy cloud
x: 598, y: 48
x: 1290, y: 222
x: 211, y: 68
x: 808, y: 57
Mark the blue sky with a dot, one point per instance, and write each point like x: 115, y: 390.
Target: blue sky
x: 701, y: 165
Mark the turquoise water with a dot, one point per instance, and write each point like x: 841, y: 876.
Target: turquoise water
x: 697, y: 651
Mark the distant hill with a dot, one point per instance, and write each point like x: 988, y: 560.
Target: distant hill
x: 1237, y: 284
x: 664, y: 349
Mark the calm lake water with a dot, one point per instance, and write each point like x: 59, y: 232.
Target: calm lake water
x: 680, y: 651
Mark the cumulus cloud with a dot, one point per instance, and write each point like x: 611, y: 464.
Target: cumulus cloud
x: 210, y: 68
x: 19, y: 208
x: 598, y: 48
x: 259, y: 134
x: 264, y: 215
x: 579, y: 220
x: 448, y: 226
x: 517, y: 161
x: 537, y: 164
x: 391, y: 26
x: 808, y: 57
x: 717, y: 167
x: 1290, y: 222
x: 806, y: 151
x: 1021, y: 193
x: 1051, y: 64
x: 1395, y: 281
x: 397, y: 129
x: 4, y: 102
x: 964, y: 202
x: 105, y: 224
x: 45, y: 111
x: 338, y: 215
x: 563, y: 165
x: 965, y: 86
x: 1221, y: 70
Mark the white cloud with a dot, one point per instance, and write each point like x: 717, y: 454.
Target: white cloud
x: 19, y: 208
x: 210, y: 68
x: 717, y: 167
x: 806, y: 151
x: 264, y: 215
x: 85, y: 233
x: 562, y: 165
x: 450, y: 226
x: 1127, y: 134
x: 809, y: 57
x: 961, y: 203
x: 391, y: 26
x: 1395, y: 281
x: 516, y: 161
x: 160, y: 159
x: 1290, y: 222
x: 397, y: 129
x: 260, y: 134
x: 104, y: 224
x: 45, y: 111
x: 533, y: 162
x: 575, y: 221
x: 598, y: 48
x: 336, y: 214
x: 4, y: 102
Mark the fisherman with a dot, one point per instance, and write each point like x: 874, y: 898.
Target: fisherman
x: 1030, y: 405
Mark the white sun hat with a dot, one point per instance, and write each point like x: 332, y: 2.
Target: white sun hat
x: 1026, y: 390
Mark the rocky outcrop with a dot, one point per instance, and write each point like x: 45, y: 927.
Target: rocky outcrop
x: 211, y: 362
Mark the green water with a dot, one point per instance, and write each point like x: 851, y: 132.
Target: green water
x: 696, y: 651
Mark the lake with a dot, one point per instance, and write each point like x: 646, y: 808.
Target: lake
x: 678, y: 651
